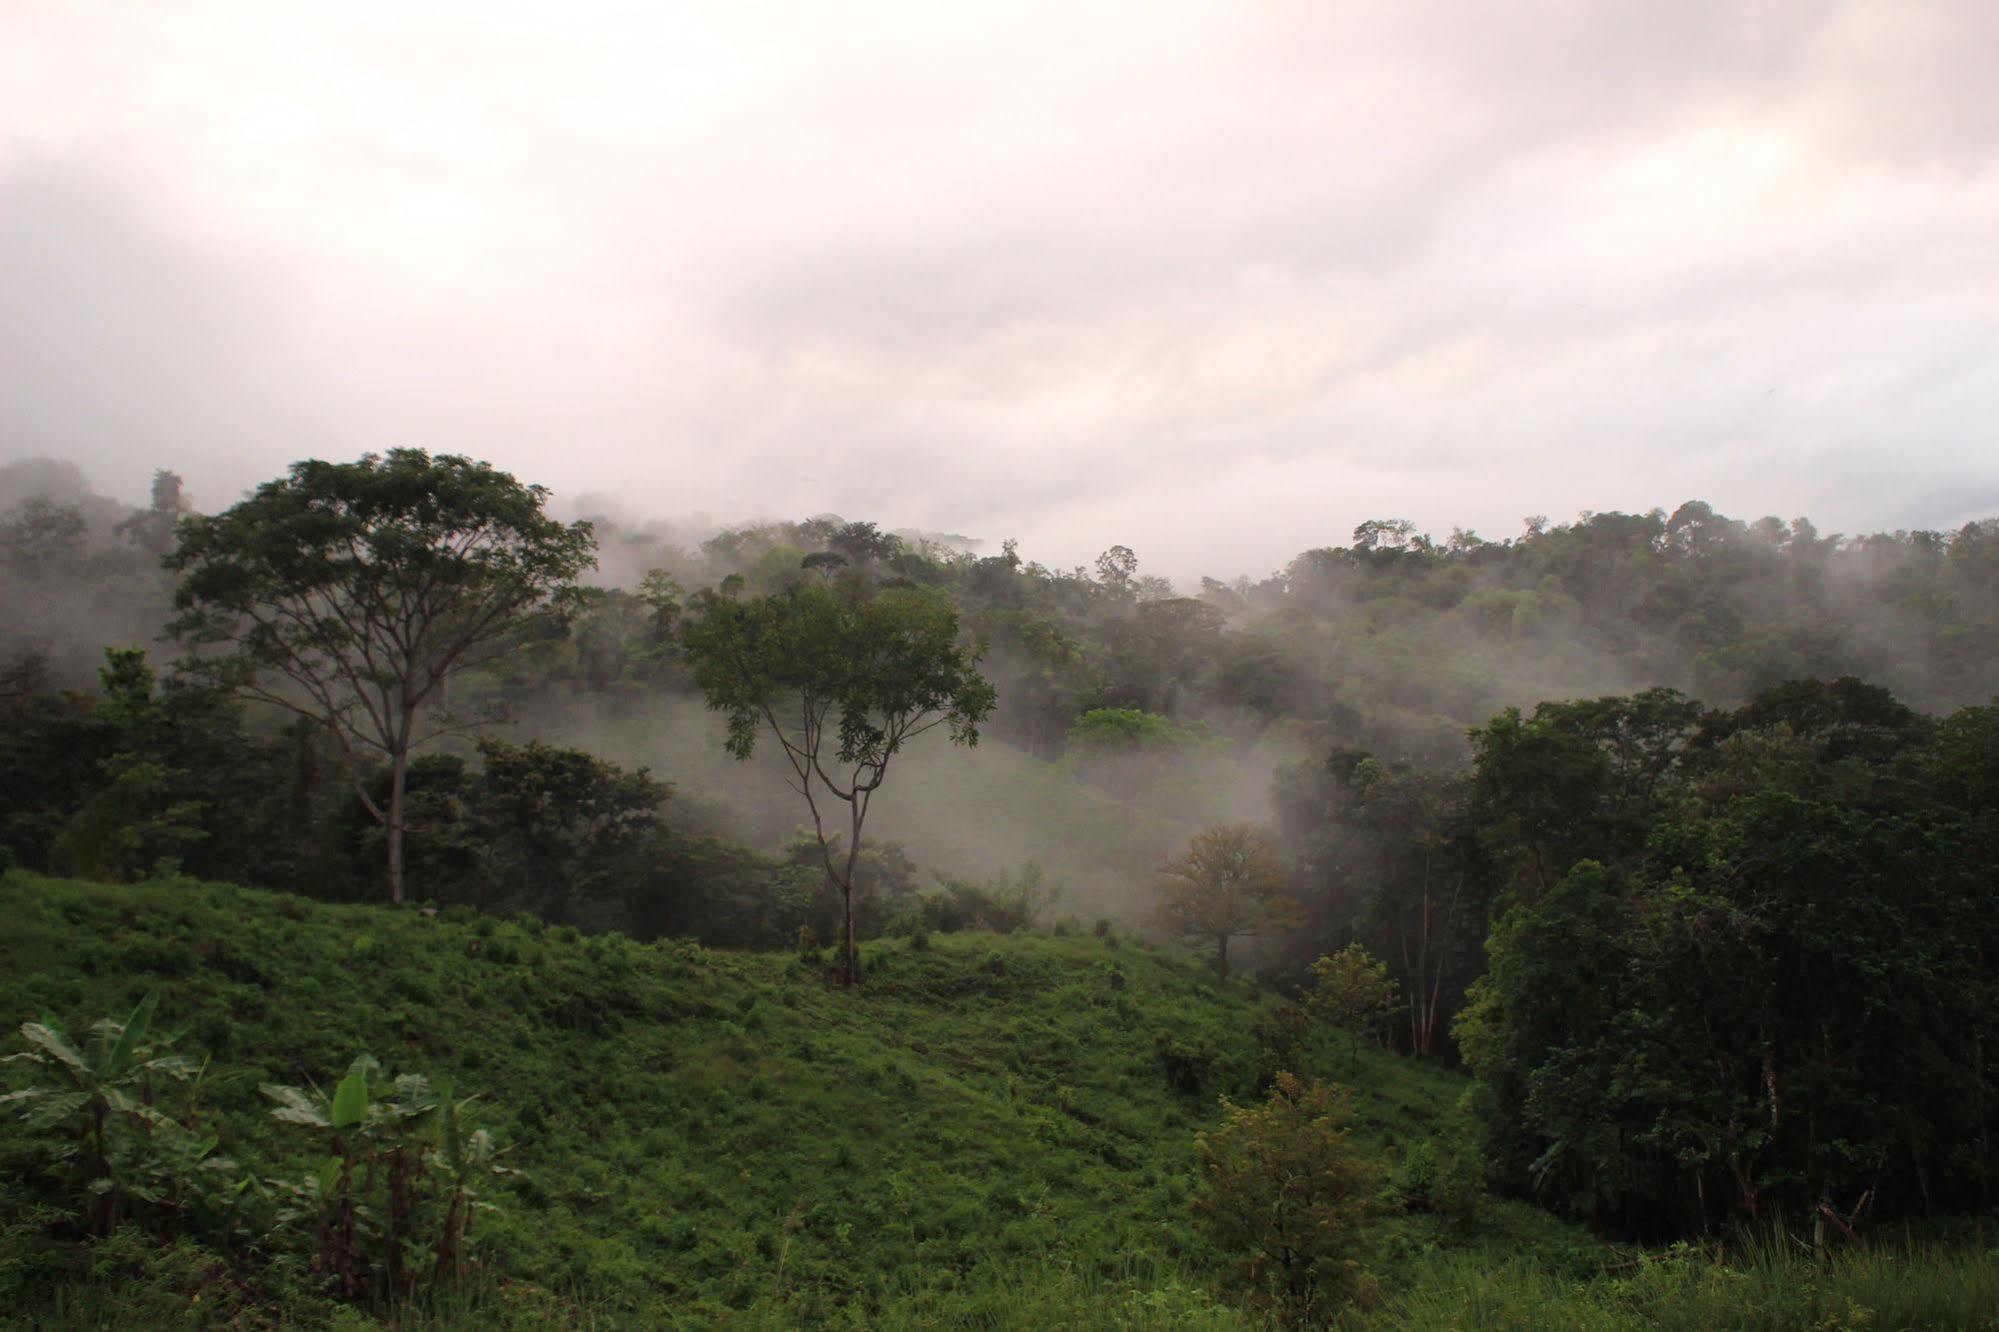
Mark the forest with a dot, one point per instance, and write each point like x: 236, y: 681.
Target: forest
x: 429, y: 905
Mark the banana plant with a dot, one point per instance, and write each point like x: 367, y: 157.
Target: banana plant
x: 468, y: 1158
x: 326, y: 1197
x: 102, y: 1105
x: 378, y: 1191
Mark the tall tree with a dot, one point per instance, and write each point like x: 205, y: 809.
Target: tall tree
x: 1228, y: 883
x: 350, y: 592
x: 841, y: 678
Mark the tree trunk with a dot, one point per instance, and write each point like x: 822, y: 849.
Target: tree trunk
x: 850, y: 968
x: 850, y: 971
x: 399, y: 766
x: 1222, y: 956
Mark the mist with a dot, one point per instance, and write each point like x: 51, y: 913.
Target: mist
x: 1395, y: 643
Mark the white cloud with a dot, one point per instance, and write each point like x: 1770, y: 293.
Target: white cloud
x: 1215, y: 282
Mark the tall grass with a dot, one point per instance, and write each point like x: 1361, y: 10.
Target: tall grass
x: 1763, y: 1283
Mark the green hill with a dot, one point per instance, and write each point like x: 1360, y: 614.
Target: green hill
x: 994, y: 1132
x: 718, y: 1139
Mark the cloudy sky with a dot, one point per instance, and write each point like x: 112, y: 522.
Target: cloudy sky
x: 1213, y: 281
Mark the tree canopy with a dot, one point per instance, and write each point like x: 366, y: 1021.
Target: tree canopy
x: 841, y: 678
x: 1228, y: 883
x: 350, y: 593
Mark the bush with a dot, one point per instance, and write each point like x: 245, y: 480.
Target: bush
x: 1189, y: 1067
x: 1284, y: 1187
x: 1442, y: 1175
x: 1280, y: 1035
x: 1004, y: 905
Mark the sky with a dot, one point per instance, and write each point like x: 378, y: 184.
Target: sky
x: 1213, y: 281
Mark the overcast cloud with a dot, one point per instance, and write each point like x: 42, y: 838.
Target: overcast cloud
x: 1213, y: 281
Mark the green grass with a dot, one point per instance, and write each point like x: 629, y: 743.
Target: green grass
x: 1759, y: 1286
x: 718, y: 1138
x: 984, y: 1136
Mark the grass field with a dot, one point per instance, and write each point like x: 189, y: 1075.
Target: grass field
x: 993, y: 1132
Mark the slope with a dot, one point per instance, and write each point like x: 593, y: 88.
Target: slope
x: 710, y: 1139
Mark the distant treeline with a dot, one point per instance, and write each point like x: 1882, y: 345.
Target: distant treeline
x: 1395, y: 642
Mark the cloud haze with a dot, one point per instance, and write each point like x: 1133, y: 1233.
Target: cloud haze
x: 1216, y: 282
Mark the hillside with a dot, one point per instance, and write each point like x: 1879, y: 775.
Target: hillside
x: 713, y: 1138
x: 994, y: 1132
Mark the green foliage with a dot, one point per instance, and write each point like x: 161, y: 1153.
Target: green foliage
x: 842, y: 679
x: 1004, y: 904
x: 1761, y: 1285
x: 1781, y: 1004
x: 1229, y: 882
x: 391, y: 1205
x: 1132, y: 753
x: 1028, y: 1125
x: 1286, y: 1189
x: 1352, y: 990
x: 363, y: 587
x: 113, y: 1144
x: 140, y: 819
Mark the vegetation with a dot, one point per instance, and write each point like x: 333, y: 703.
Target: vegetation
x: 1353, y: 991
x: 842, y: 680
x: 1285, y: 1185
x: 364, y: 587
x: 1719, y: 971
x: 1228, y: 883
x: 703, y: 1134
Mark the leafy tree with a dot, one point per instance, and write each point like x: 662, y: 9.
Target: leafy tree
x: 1137, y: 755
x: 38, y: 536
x: 351, y: 592
x: 1116, y: 569
x: 151, y: 529
x: 1353, y: 990
x: 1229, y: 882
x: 1577, y: 780
x: 558, y: 825
x: 1783, y: 1004
x: 1387, y: 852
x: 141, y: 818
x: 841, y: 680
x: 1285, y: 1186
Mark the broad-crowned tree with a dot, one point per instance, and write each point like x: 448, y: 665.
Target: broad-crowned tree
x: 350, y: 592
x: 841, y: 678
x: 1229, y: 882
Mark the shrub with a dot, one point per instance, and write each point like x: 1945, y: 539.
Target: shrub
x: 1188, y: 1066
x: 1284, y: 1187
x: 1443, y: 1175
x: 1280, y: 1036
x: 113, y: 1142
x: 1353, y: 990
x: 391, y: 1209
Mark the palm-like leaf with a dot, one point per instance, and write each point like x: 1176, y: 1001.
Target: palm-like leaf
x: 52, y: 1042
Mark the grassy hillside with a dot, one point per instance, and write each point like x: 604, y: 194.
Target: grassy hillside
x: 721, y: 1137
x: 994, y: 1132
